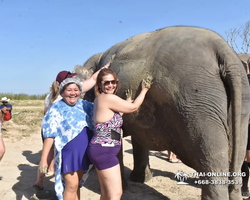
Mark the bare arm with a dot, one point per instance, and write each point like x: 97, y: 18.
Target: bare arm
x: 47, y: 145
x: 118, y: 104
x: 129, y: 98
x: 89, y: 83
x: 8, y: 108
x: 115, y: 103
x: 5, y: 109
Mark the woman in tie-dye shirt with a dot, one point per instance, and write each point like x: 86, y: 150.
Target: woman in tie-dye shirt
x: 67, y: 125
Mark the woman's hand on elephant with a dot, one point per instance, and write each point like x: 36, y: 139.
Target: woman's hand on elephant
x: 128, y: 94
x: 106, y: 66
x: 147, y: 82
x: 109, y: 63
x: 112, y: 58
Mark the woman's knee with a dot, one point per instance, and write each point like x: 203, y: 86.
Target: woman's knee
x: 71, y: 182
x: 116, y: 195
x: 71, y: 187
x: 119, y: 193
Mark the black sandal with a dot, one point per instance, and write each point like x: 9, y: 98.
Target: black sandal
x: 37, y: 188
x: 245, y: 192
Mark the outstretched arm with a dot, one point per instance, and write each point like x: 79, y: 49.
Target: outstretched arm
x: 129, y: 106
x: 89, y: 83
x: 128, y: 94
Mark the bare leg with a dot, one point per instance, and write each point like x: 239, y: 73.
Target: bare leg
x: 80, y: 175
x: 78, y: 194
x: 111, y: 184
x: 169, y: 155
x: 71, y: 191
x: 104, y: 194
x: 39, y: 179
x: 248, y: 156
x: 173, y: 158
x: 2, y: 147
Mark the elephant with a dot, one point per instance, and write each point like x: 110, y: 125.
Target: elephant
x: 197, y: 107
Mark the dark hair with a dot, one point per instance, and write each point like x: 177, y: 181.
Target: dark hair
x: 102, y: 73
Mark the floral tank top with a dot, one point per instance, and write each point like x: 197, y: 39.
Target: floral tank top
x: 108, y: 133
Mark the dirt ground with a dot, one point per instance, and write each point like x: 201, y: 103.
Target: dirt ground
x: 19, y: 167
x: 20, y: 163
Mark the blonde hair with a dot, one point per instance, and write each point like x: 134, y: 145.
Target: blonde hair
x: 102, y: 73
x: 55, y: 90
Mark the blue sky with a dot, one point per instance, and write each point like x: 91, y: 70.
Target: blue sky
x: 39, y: 38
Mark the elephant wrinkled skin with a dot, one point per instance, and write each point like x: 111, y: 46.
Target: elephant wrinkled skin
x: 197, y: 106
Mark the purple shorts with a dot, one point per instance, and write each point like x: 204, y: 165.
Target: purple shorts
x: 74, y: 155
x: 103, y: 157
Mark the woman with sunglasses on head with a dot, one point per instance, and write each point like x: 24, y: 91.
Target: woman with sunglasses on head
x: 107, y: 120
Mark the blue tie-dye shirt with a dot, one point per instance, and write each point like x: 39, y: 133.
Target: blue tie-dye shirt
x: 63, y: 123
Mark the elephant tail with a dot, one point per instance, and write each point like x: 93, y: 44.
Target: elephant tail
x: 233, y: 78
x: 236, y: 91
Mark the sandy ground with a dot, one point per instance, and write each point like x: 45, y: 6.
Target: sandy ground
x: 20, y: 163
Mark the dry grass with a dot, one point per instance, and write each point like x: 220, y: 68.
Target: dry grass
x: 26, y: 119
x: 36, y: 103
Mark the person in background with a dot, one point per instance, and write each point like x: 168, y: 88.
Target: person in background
x: 5, y: 110
x: 67, y: 126
x: 107, y: 120
x: 173, y: 158
x: 5, y: 115
x: 2, y: 149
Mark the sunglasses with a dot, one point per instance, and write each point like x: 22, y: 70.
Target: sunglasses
x: 106, y: 83
x: 69, y: 73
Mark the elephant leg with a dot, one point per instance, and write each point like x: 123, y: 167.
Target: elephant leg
x: 141, y: 172
x: 210, y: 154
x: 221, y: 191
x: 120, y: 158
